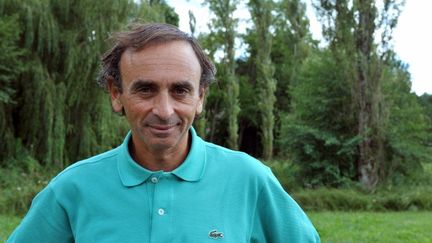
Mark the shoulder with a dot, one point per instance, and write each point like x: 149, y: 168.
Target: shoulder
x: 236, y: 162
x: 225, y: 154
x: 89, y: 167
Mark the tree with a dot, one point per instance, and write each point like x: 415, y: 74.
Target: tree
x: 317, y: 133
x: 11, y: 65
x: 261, y: 12
x: 292, y: 44
x: 225, y: 24
x: 408, y: 127
x: 350, y: 27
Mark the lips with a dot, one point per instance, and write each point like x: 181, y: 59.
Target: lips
x: 161, y: 131
x: 161, y: 127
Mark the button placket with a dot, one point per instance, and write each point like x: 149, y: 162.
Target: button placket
x: 162, y: 206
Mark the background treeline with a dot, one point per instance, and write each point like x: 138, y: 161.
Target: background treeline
x: 340, y: 114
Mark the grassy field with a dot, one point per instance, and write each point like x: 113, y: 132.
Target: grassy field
x: 7, y: 224
x: 373, y: 226
x: 343, y: 227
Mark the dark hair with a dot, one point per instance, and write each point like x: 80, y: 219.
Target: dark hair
x: 142, y: 35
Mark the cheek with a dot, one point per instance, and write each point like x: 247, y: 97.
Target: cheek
x: 135, y: 111
x: 185, y: 112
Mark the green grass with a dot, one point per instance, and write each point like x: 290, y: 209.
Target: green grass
x: 7, y: 224
x: 343, y: 227
x: 373, y: 226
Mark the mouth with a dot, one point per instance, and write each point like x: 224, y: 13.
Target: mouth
x: 161, y: 127
x: 161, y: 130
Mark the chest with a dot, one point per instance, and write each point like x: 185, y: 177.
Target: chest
x: 164, y: 210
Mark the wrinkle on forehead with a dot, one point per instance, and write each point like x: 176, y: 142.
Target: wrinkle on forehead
x: 162, y: 56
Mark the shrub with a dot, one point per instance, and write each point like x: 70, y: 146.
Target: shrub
x: 409, y: 198
x: 285, y: 172
x: 18, y: 185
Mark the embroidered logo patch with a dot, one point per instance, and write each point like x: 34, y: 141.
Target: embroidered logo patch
x: 214, y: 234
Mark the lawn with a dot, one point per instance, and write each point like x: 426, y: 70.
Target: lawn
x: 7, y: 224
x: 341, y: 226
x: 373, y: 226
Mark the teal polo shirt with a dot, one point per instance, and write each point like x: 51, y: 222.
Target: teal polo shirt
x: 215, y: 195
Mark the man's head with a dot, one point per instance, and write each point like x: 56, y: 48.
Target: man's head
x: 141, y: 36
x: 157, y: 77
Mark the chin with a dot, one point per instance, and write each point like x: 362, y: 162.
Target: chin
x: 162, y: 146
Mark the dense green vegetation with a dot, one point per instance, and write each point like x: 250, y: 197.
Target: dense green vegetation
x: 339, y: 116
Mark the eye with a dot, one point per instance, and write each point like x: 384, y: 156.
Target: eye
x: 181, y: 91
x: 145, y: 90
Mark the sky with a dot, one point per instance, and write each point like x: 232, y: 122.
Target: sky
x: 412, y: 38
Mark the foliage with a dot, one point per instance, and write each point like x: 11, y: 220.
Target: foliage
x: 409, y: 198
x: 351, y: 27
x: 20, y: 181
x: 224, y: 25
x: 54, y: 97
x: 261, y: 12
x: 291, y: 45
x: 286, y: 172
x: 284, y: 95
x: 426, y: 102
x: 11, y: 64
x: 407, y: 129
x: 318, y: 132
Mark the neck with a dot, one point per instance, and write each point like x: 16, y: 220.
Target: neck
x: 157, y: 159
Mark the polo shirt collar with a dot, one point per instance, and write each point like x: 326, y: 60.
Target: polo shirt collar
x: 192, y: 168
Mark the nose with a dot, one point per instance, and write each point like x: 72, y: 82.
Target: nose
x: 162, y: 106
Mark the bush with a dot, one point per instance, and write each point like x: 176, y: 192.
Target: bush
x: 406, y: 199
x: 332, y: 199
x: 286, y: 172
x: 18, y: 185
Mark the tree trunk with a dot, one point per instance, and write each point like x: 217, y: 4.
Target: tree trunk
x: 367, y: 87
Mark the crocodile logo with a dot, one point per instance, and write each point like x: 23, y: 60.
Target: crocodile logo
x: 214, y: 234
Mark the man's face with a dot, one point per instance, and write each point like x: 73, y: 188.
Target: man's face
x: 161, y: 94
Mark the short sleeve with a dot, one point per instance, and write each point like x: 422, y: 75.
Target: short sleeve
x: 46, y: 221
x: 279, y: 219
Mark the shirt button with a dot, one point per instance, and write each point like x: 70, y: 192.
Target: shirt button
x: 161, y: 211
x: 154, y: 180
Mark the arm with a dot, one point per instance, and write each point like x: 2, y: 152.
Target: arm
x: 46, y: 221
x: 278, y: 218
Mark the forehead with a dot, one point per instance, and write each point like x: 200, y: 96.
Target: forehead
x: 159, y: 61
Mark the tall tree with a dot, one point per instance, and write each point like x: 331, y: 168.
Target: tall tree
x: 11, y: 65
x: 292, y: 43
x: 350, y: 27
x: 261, y: 12
x: 200, y: 123
x: 225, y: 25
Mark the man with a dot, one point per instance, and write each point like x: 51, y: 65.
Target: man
x: 164, y: 183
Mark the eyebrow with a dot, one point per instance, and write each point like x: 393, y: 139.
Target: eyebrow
x: 183, y: 84
x: 139, y: 84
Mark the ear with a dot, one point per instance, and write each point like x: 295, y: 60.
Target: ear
x: 115, y: 95
x: 200, y: 105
